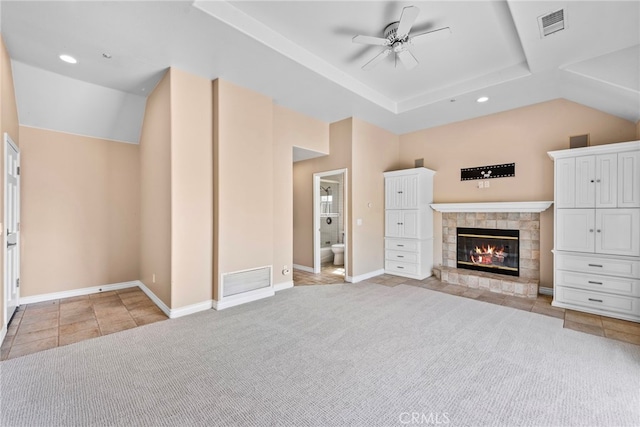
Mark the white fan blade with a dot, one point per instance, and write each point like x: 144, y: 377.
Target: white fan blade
x: 408, y: 17
x: 378, y: 41
x: 439, y: 34
x: 408, y: 60
x: 378, y: 58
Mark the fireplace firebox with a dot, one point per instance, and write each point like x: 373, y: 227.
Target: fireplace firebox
x: 495, y: 251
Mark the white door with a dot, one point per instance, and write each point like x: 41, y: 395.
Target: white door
x: 575, y: 230
x: 629, y: 180
x: 585, y: 182
x: 410, y: 224
x: 618, y: 231
x: 566, y: 183
x: 410, y: 192
x: 606, y: 181
x: 11, y: 227
x: 393, y: 192
x: 393, y: 223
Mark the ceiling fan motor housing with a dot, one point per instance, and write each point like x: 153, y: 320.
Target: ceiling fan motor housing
x: 390, y: 32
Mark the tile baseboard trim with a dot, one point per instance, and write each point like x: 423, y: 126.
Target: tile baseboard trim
x: 284, y: 285
x: 78, y: 292
x: 361, y: 277
x: 234, y: 300
x: 303, y: 268
x: 545, y: 291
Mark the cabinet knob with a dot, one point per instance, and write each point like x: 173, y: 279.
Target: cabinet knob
x: 591, y: 230
x: 399, y: 192
x: 597, y: 180
x: 598, y: 231
x: 591, y: 181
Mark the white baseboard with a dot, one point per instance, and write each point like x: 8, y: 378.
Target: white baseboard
x: 77, y: 292
x: 545, y: 291
x: 3, y: 333
x: 161, y: 305
x: 303, y: 268
x: 365, y: 276
x: 190, y: 309
x: 246, y: 297
x: 284, y: 285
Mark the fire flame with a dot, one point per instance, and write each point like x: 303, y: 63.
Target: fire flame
x: 486, y: 254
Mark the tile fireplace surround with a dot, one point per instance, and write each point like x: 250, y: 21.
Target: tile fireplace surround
x: 524, y: 217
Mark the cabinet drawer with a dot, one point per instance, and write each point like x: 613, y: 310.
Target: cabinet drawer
x: 401, y: 256
x: 402, y: 267
x: 617, y: 285
x: 402, y: 245
x: 598, y: 265
x: 618, y: 303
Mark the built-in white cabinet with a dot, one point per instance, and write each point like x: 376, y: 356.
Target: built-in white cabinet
x: 409, y: 222
x: 597, y: 229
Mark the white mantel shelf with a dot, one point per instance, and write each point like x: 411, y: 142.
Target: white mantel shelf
x: 492, y: 207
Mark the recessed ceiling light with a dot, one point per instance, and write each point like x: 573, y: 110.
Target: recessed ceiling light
x: 482, y: 99
x: 68, y: 58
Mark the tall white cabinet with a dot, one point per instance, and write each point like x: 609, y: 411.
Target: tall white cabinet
x: 409, y: 223
x: 597, y: 230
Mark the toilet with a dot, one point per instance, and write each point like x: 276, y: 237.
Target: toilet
x: 338, y: 253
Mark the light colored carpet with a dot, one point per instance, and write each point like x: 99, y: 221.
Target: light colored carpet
x: 360, y: 354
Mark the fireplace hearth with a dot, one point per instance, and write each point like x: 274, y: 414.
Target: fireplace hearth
x: 491, y: 250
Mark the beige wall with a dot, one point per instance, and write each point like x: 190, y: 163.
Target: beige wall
x: 340, y: 138
x: 191, y: 188
x: 9, y: 124
x: 523, y: 136
x: 155, y: 192
x: 374, y: 151
x: 289, y: 129
x: 243, y: 165
x: 80, y: 215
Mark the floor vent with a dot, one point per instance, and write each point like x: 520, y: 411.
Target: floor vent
x: 246, y: 281
x: 551, y: 23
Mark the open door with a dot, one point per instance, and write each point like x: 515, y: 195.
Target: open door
x: 11, y: 227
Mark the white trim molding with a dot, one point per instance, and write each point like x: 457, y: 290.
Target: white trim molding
x: 493, y: 207
x: 174, y: 313
x: 303, y: 268
x: 3, y: 332
x: 243, y: 298
x: 361, y: 277
x: 78, y: 292
x: 157, y: 301
x: 282, y: 286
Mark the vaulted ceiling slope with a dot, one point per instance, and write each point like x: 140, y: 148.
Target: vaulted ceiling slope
x: 301, y: 54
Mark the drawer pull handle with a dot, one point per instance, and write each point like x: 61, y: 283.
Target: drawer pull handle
x: 400, y: 246
x: 595, y: 265
x: 595, y: 283
x: 401, y: 268
x: 400, y: 256
x: 595, y: 300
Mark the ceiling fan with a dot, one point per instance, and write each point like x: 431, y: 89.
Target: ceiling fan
x: 397, y: 40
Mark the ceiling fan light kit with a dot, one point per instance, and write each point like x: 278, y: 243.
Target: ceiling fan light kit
x: 397, y: 40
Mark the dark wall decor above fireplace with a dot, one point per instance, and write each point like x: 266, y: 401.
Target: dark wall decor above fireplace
x: 488, y: 172
x: 491, y: 250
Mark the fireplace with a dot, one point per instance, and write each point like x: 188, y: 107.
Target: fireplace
x: 492, y: 250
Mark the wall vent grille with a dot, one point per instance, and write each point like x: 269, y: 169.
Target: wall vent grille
x: 552, y: 22
x: 245, y: 281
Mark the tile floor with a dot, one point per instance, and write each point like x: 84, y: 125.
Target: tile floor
x: 49, y: 324
x: 621, y: 330
x: 329, y: 275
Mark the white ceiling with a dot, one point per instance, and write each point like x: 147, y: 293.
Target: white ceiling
x: 301, y: 55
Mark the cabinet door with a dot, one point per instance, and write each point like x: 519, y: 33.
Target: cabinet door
x: 606, y: 181
x: 393, y: 192
x: 410, y: 192
x: 585, y: 182
x: 393, y: 223
x: 566, y: 183
x: 618, y: 231
x: 629, y: 180
x: 410, y: 224
x: 575, y: 229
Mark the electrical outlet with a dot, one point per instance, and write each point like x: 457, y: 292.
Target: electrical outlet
x: 285, y: 270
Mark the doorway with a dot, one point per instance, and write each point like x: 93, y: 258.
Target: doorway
x: 330, y: 222
x: 11, y: 230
